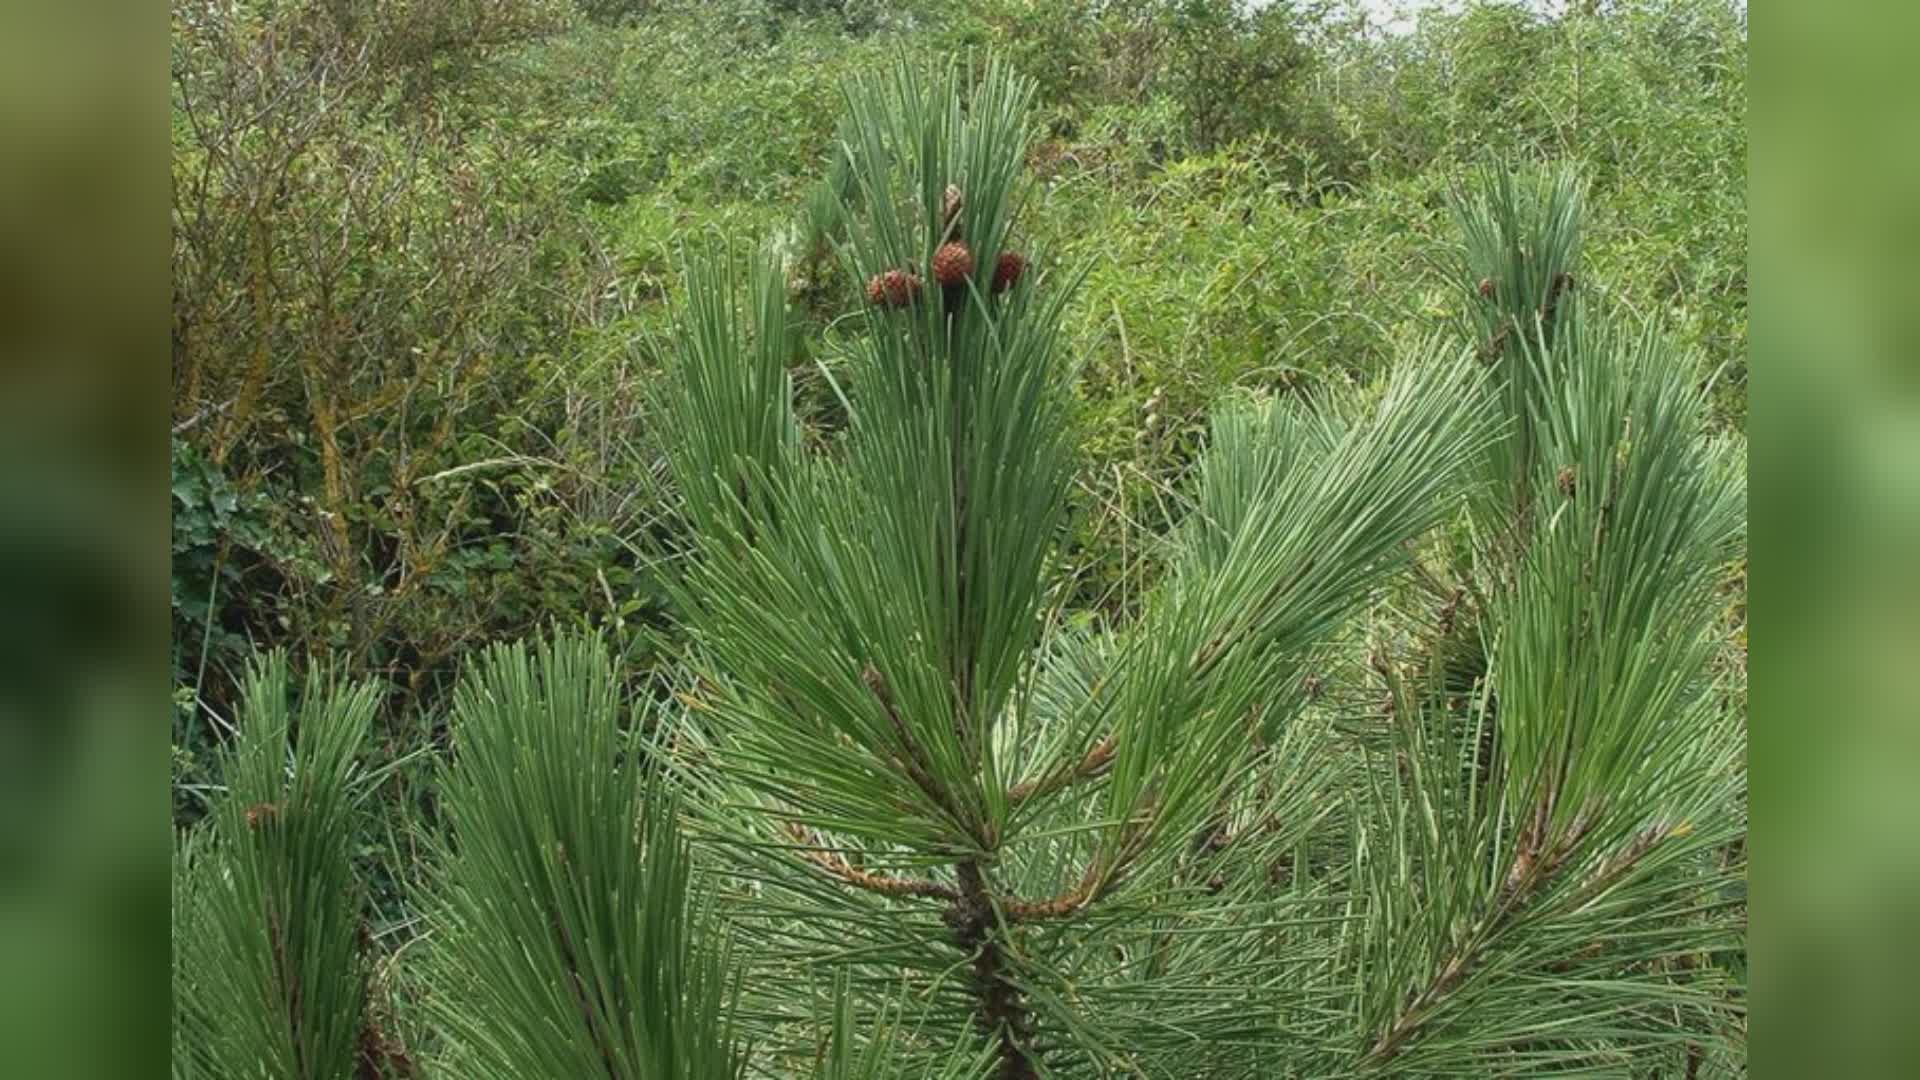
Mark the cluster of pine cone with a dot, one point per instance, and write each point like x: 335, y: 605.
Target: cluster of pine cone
x: 952, y: 264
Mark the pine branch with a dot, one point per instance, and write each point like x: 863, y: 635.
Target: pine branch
x: 1098, y: 880
x: 573, y: 934
x: 268, y: 943
x: 1535, y: 864
x: 1616, y: 866
x: 1091, y: 887
x: 1208, y: 657
x: 1536, y: 860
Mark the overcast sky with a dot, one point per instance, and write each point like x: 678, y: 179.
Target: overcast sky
x: 1398, y: 15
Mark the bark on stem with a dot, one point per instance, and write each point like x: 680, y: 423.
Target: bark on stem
x: 1001, y: 1012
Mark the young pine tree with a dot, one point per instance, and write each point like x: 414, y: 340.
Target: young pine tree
x: 1138, y: 849
x: 271, y: 956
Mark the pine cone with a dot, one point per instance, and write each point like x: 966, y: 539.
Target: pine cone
x: 894, y: 289
x: 1486, y: 288
x: 1007, y: 271
x: 952, y: 263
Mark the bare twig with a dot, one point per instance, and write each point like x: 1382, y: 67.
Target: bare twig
x: 193, y: 421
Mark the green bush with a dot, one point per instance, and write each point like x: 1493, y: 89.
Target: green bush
x: 614, y: 12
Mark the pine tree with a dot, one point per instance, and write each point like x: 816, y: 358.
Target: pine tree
x: 1163, y: 848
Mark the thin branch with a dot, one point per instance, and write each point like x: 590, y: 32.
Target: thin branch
x: 914, y: 763
x: 193, y: 421
x: 836, y: 865
x: 1099, y: 879
x: 1246, y: 622
x: 1093, y: 883
x: 1534, y: 862
x: 1089, y: 889
x: 1615, y: 866
x: 1094, y: 764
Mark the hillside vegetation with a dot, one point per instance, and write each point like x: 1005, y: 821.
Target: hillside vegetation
x: 456, y: 357
x: 423, y: 254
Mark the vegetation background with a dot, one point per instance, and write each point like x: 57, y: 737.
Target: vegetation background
x: 423, y: 253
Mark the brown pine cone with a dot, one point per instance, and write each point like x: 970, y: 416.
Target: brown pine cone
x: 894, y: 289
x: 952, y: 263
x: 1007, y: 271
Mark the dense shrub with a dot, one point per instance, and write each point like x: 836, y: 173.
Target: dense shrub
x: 387, y: 363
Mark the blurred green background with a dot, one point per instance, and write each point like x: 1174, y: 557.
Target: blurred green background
x: 1836, y: 515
